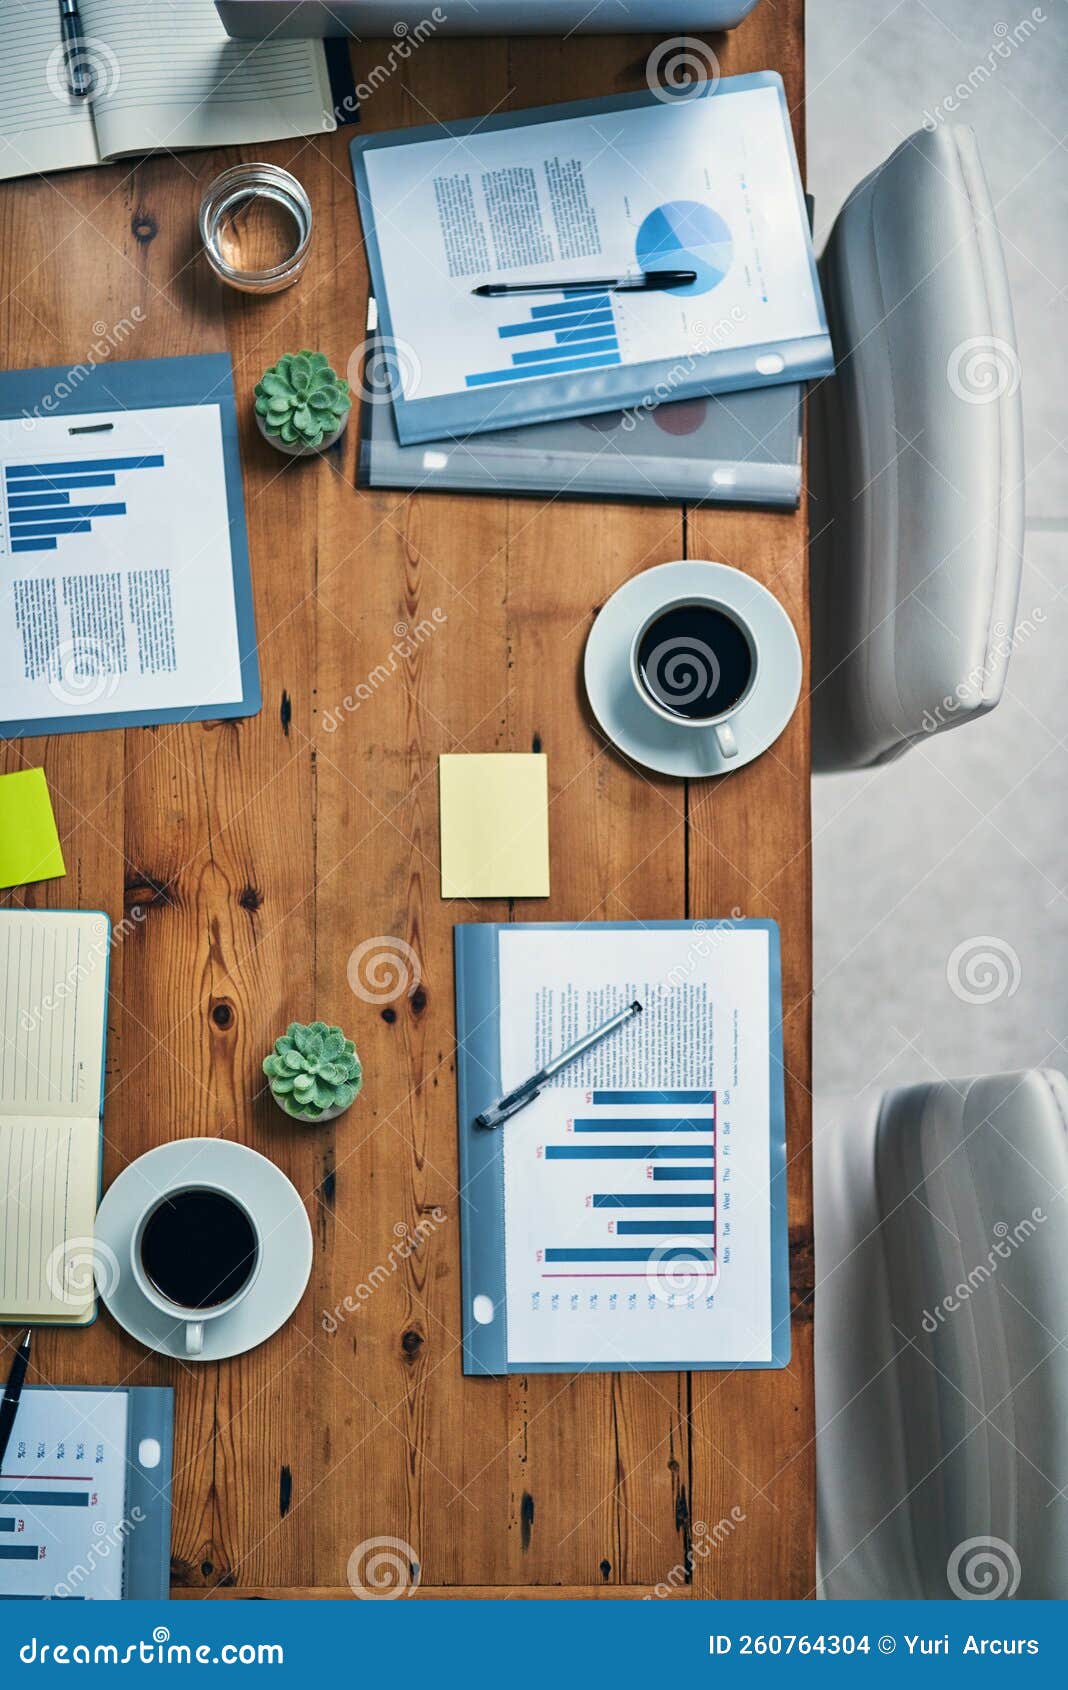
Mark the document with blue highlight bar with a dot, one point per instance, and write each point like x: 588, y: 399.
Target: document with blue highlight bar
x: 707, y: 185
x: 125, y: 596
x: 633, y: 1216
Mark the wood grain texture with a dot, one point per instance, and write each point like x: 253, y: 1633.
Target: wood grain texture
x: 453, y: 1593
x: 260, y: 854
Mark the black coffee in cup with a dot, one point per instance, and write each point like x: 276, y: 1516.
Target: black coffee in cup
x: 198, y: 1248
x: 695, y: 661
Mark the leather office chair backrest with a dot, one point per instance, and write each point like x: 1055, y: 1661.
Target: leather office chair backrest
x: 940, y: 1308
x: 917, y: 459
x: 386, y: 18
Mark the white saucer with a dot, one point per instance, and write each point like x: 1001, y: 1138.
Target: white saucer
x: 646, y: 737
x: 270, y: 1198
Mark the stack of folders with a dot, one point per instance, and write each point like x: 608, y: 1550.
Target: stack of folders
x: 691, y: 391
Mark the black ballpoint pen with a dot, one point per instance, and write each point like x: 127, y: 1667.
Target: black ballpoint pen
x: 513, y: 1101
x: 645, y: 281
x: 79, y: 73
x: 10, y: 1404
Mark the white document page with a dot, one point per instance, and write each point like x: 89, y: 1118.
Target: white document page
x: 637, y: 1186
x: 705, y: 185
x: 63, y: 1523
x: 118, y: 584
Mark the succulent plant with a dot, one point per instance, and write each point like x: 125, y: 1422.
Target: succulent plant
x: 314, y: 1071
x: 301, y: 401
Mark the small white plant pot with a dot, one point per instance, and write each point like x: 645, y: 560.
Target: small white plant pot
x: 310, y: 1120
x: 301, y: 451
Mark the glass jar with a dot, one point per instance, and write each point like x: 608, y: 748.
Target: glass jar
x: 256, y: 226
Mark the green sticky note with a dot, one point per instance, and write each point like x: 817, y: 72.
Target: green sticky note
x: 29, y: 843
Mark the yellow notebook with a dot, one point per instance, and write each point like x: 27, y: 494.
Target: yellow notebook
x: 494, y: 825
x: 53, y: 1018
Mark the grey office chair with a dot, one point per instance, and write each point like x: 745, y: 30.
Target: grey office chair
x: 916, y: 461
x: 941, y: 1310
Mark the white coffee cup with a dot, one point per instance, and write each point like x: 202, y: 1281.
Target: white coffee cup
x: 194, y: 1319
x: 697, y: 664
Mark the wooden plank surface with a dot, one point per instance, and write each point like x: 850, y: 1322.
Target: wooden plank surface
x: 262, y: 853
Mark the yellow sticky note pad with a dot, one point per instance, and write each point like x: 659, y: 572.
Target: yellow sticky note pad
x: 29, y: 843
x: 494, y: 825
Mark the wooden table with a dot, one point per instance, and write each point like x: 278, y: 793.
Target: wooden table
x: 263, y: 851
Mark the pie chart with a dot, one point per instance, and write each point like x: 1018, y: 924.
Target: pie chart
x: 686, y: 235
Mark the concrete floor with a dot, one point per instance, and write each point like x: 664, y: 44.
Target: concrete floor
x: 941, y: 882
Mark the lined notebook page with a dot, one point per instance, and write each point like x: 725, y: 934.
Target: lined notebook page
x: 41, y: 126
x: 49, y: 1173
x: 53, y: 1003
x: 184, y: 83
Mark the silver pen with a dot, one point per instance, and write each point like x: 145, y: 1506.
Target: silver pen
x: 513, y: 1101
x: 79, y: 73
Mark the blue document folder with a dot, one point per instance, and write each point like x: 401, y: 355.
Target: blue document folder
x: 583, y: 190
x: 679, y: 1244
x: 85, y: 1495
x: 89, y: 616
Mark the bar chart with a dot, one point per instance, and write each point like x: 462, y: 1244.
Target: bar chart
x: 665, y: 1138
x: 576, y: 332
x: 36, y: 1495
x: 45, y: 502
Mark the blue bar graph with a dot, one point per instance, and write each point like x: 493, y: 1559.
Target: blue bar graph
x: 682, y: 1173
x: 84, y: 466
x: 7, y: 1525
x: 692, y: 1229
x: 642, y: 1124
x: 65, y: 511
x: 654, y: 1097
x: 19, y: 1552
x: 573, y: 323
x: 684, y: 1252
x: 45, y: 1498
x: 623, y: 1153
x: 39, y: 506
x: 26, y: 501
x: 653, y: 1200
x: 571, y: 315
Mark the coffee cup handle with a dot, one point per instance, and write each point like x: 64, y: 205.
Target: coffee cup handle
x: 728, y: 745
x: 194, y: 1337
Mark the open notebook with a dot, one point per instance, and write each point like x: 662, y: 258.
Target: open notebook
x: 53, y: 1015
x: 167, y: 77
